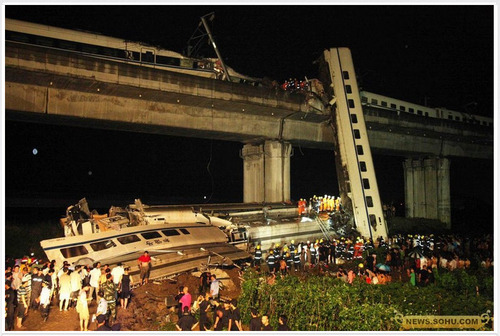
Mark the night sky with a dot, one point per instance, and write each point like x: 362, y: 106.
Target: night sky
x: 443, y: 53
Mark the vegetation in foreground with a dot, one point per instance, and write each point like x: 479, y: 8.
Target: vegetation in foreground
x: 326, y: 303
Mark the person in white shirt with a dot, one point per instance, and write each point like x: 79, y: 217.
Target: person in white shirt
x: 117, y: 273
x: 76, y: 284
x: 45, y: 300
x: 95, y: 274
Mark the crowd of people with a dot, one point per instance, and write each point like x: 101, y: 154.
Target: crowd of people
x: 317, y: 204
x: 378, y: 261
x: 31, y: 285
x: 225, y: 313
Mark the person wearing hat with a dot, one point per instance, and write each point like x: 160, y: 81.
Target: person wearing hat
x: 45, y: 300
x: 271, y: 261
x: 110, y: 291
x: 257, y: 258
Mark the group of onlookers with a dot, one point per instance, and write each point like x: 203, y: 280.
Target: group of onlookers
x: 44, y: 286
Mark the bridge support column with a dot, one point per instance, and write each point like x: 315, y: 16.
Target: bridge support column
x: 409, y: 202
x: 253, y: 173
x: 427, y: 189
x: 266, y: 172
x: 444, y: 200
x: 277, y: 171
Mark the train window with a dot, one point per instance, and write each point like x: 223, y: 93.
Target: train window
x: 151, y: 235
x: 384, y: 103
x: 359, y: 148
x: 351, y: 103
x: 167, y: 60
x: 348, y: 187
x: 346, y: 74
x: 426, y: 114
x: 457, y: 118
x: 348, y: 89
x: 362, y: 166
x: 74, y: 251
x: 102, y: 245
x: 170, y: 232
x: 364, y: 100
x: 402, y: 108
x: 373, y: 221
x: 68, y: 45
x: 109, y: 52
x: 354, y: 118
x: 129, y: 239
x: 419, y: 112
x: 393, y: 106
x: 374, y: 101
x: 185, y: 231
x: 450, y: 117
x: 45, y: 41
x: 89, y: 49
x: 369, y: 201
x: 411, y: 110
x: 17, y: 37
x: 357, y: 135
x: 366, y: 183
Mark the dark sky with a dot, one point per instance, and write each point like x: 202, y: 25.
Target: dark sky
x: 444, y: 53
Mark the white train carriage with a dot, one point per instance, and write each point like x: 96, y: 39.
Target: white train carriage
x: 401, y: 106
x: 96, y: 45
x: 388, y: 103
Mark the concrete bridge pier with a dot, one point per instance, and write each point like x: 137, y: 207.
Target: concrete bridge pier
x: 427, y: 188
x: 266, y: 172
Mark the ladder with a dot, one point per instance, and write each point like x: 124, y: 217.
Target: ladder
x: 357, y: 180
x: 323, y: 227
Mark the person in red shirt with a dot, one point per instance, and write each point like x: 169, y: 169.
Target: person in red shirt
x: 145, y: 266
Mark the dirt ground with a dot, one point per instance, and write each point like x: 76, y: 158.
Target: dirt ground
x: 146, y: 311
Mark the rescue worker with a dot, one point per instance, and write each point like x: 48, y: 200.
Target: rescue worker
x: 289, y: 262
x: 257, y: 258
x: 271, y: 261
x: 337, y: 204
x: 358, y: 248
x: 276, y: 251
x: 301, y: 207
x: 292, y: 248
x: 109, y: 290
x: 296, y: 262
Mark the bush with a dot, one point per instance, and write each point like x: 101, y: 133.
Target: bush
x: 326, y: 303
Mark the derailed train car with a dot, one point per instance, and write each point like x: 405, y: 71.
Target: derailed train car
x: 176, y: 240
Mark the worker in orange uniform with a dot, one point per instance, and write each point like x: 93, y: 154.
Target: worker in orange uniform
x: 358, y: 248
x: 301, y: 206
